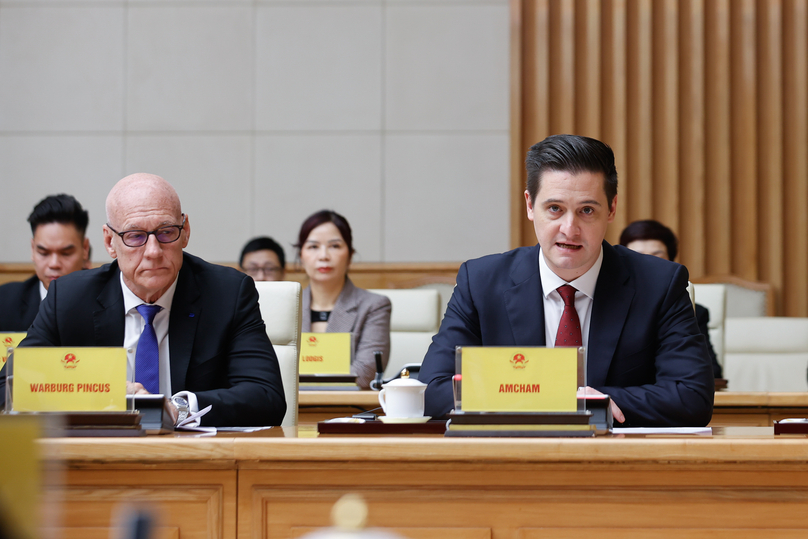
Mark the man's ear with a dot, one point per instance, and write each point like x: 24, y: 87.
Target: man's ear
x: 186, y: 232
x: 613, y: 209
x: 108, y: 242
x: 529, y: 205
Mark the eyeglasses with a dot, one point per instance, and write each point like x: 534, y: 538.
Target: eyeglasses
x: 252, y: 271
x: 138, y: 238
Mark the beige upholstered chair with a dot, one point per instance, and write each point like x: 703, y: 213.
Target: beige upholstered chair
x: 444, y: 285
x: 413, y: 322
x: 280, y: 309
x: 714, y: 298
x: 766, y: 354
x: 744, y: 298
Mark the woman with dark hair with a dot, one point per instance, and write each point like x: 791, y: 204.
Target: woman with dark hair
x: 331, y: 302
x: 651, y: 237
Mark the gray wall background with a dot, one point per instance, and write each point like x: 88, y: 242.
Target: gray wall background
x: 394, y: 113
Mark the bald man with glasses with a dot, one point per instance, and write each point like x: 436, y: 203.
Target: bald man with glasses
x: 192, y: 330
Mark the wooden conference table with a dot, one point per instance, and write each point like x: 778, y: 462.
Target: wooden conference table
x: 731, y: 408
x: 739, y: 482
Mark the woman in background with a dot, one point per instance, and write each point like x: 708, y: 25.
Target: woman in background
x: 331, y: 302
x: 651, y: 237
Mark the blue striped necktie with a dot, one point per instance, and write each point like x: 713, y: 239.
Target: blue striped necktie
x: 147, y: 358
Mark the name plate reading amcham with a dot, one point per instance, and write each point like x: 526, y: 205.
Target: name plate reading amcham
x: 9, y: 340
x: 325, y: 353
x: 69, y: 379
x: 519, y: 379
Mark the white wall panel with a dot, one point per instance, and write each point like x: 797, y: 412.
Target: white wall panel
x: 318, y: 67
x: 394, y: 113
x: 189, y: 67
x: 447, y: 66
x: 61, y: 68
x: 446, y: 197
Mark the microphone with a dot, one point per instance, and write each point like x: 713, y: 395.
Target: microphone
x: 377, y: 382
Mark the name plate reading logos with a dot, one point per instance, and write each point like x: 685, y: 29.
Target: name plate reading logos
x: 325, y: 353
x: 519, y: 379
x: 69, y: 380
x: 9, y: 340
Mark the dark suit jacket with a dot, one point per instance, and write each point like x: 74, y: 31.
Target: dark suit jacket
x: 218, y: 344
x: 703, y: 319
x: 19, y: 303
x: 367, y: 316
x: 644, y: 348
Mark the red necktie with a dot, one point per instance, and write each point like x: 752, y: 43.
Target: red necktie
x: 569, y: 329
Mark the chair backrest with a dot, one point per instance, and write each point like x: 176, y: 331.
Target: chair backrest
x: 413, y: 322
x: 444, y: 285
x: 280, y: 309
x: 744, y: 298
x: 766, y: 354
x: 714, y: 298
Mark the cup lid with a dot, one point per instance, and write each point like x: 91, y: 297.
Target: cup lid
x: 404, y: 381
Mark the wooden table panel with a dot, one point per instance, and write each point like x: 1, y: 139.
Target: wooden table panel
x: 274, y: 485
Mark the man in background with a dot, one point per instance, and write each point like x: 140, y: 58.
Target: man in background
x: 263, y: 259
x: 58, y: 247
x: 651, y: 237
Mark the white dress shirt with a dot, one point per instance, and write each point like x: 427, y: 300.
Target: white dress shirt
x: 554, y: 305
x: 43, y: 292
x: 133, y: 327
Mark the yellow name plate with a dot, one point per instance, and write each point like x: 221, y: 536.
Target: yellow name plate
x: 69, y: 380
x: 325, y: 353
x: 519, y: 379
x: 9, y: 340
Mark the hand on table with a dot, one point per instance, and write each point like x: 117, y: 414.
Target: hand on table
x: 136, y: 388
x: 617, y: 413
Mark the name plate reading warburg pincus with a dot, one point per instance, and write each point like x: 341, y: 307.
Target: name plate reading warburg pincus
x: 9, y: 340
x: 69, y: 379
x: 519, y: 379
x: 325, y: 353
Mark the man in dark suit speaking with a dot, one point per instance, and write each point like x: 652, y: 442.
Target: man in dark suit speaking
x: 191, y: 329
x: 631, y: 312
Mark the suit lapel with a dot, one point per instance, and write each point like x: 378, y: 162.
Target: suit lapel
x: 614, y: 293
x: 524, y: 302
x: 29, y: 306
x: 343, y: 317
x: 185, y: 312
x: 108, y: 319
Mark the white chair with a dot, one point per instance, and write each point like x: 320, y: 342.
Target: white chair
x: 280, y: 309
x: 413, y: 322
x: 744, y: 298
x: 766, y: 354
x: 714, y: 298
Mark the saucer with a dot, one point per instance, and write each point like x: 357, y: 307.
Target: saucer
x: 385, y: 419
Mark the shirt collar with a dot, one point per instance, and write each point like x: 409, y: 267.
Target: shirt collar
x: 43, y: 292
x: 131, y: 301
x: 585, y: 283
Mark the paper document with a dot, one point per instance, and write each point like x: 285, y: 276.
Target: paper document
x: 662, y: 430
x: 191, y: 423
x: 242, y: 429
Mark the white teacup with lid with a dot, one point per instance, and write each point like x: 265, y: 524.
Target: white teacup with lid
x: 403, y: 400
